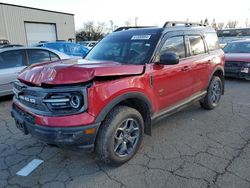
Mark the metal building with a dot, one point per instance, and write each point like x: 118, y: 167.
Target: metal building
x: 29, y: 26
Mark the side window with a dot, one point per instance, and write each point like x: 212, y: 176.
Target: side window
x: 174, y: 44
x: 11, y: 59
x: 196, y: 45
x: 54, y: 57
x: 38, y: 56
x: 212, y: 41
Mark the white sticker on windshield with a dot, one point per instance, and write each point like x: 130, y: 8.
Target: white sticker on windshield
x: 141, y: 37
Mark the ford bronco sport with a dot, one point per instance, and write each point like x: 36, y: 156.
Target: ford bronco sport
x: 107, y: 101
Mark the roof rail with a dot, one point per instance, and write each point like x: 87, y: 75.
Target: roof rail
x: 132, y: 27
x: 187, y: 24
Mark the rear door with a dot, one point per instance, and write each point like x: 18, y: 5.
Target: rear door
x: 11, y: 63
x: 201, y: 60
x: 172, y: 83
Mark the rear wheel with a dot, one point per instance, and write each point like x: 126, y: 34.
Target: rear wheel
x: 213, y: 96
x: 120, y: 135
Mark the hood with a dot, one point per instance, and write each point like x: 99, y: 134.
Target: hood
x: 242, y: 57
x: 75, y: 71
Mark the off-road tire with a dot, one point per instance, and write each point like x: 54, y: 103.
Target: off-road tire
x: 108, y: 129
x: 207, y: 102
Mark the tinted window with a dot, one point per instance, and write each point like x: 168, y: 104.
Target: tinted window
x: 174, y: 44
x: 237, y: 47
x: 212, y: 41
x: 196, y: 45
x: 54, y: 57
x: 12, y: 59
x: 38, y: 56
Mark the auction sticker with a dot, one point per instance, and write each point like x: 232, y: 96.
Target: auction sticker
x: 141, y: 37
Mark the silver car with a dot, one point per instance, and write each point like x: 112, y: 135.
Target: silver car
x: 14, y: 60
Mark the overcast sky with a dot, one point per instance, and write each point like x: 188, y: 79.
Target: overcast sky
x: 153, y: 12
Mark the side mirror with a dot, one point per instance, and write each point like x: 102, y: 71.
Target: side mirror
x: 169, y: 58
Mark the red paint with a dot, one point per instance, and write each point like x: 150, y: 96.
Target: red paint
x: 75, y: 71
x: 60, y: 121
x: 171, y: 83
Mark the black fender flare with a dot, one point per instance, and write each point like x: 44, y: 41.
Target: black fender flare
x: 131, y: 95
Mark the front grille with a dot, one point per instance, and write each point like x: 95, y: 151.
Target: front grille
x: 233, y: 66
x: 34, y: 98
x: 26, y: 115
x: 28, y: 96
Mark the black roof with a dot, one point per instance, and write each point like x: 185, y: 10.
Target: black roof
x: 36, y: 9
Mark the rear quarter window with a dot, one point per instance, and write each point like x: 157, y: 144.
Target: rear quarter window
x: 212, y: 41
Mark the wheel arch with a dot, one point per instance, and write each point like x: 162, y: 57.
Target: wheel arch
x: 135, y: 100
x: 219, y: 71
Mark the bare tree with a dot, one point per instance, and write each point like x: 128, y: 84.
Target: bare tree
x: 220, y: 25
x: 111, y: 25
x: 247, y: 23
x: 232, y: 24
x: 206, y: 22
x: 91, y: 31
x: 214, y: 24
x: 128, y: 22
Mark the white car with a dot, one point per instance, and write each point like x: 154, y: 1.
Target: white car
x: 14, y: 60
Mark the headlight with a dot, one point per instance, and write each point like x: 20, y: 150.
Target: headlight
x: 66, y: 102
x: 75, y: 101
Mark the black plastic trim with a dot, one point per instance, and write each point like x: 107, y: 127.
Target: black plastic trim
x: 59, y: 136
x: 117, y: 100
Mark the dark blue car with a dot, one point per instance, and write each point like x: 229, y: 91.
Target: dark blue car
x: 71, y: 49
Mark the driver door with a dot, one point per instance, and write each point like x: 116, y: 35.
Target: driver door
x: 172, y: 83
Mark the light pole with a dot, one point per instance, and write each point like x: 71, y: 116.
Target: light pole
x: 136, y: 18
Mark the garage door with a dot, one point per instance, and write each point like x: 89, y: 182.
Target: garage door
x: 40, y: 32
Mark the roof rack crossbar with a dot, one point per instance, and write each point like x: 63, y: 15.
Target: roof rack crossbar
x: 132, y: 27
x: 187, y: 24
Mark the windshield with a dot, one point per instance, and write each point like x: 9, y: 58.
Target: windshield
x: 237, y: 47
x: 124, y: 48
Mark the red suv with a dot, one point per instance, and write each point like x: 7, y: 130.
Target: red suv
x: 108, y: 100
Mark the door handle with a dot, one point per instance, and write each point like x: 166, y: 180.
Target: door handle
x: 186, y: 68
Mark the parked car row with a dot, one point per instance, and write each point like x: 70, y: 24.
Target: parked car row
x: 14, y: 60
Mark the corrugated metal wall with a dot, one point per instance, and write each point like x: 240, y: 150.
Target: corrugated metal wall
x: 12, y: 21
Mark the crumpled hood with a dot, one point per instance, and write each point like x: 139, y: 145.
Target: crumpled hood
x: 75, y: 71
x: 242, y: 57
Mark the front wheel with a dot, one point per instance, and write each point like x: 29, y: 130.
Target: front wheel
x: 213, y: 96
x: 120, y: 135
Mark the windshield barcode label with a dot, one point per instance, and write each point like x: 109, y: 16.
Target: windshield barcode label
x: 141, y: 37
